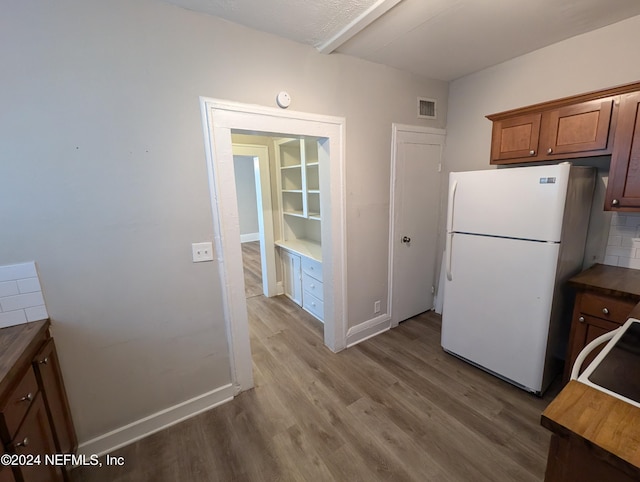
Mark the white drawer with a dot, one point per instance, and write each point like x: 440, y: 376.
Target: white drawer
x: 313, y: 305
x: 312, y: 267
x: 312, y: 286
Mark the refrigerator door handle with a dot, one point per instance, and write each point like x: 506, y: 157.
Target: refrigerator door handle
x: 449, y: 241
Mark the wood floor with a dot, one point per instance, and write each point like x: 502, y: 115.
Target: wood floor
x: 252, y: 268
x: 393, y: 408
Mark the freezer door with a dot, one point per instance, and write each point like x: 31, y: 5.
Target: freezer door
x: 523, y: 202
x: 497, y: 305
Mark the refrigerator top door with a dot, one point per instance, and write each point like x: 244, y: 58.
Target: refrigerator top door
x: 521, y: 202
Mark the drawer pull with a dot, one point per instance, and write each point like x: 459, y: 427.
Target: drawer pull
x: 27, y: 398
x: 581, y: 319
x: 313, y: 287
x: 313, y: 303
x: 24, y: 443
x: 44, y: 361
x: 605, y: 311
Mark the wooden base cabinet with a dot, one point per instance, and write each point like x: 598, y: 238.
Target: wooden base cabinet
x: 593, y: 315
x: 6, y: 473
x: 35, y: 419
x: 604, y: 299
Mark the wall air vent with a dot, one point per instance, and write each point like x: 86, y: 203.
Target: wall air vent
x: 426, y: 108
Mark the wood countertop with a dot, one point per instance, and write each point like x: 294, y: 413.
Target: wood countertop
x: 18, y: 342
x: 610, y: 426
x: 609, y: 280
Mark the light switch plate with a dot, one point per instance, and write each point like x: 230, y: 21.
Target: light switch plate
x: 202, y: 252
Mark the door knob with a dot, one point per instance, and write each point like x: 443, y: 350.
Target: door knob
x: 406, y: 239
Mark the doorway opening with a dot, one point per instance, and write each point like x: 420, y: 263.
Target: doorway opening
x: 221, y: 120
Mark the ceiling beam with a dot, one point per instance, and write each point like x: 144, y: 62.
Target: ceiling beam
x: 373, y: 13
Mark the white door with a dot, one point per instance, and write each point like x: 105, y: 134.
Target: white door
x: 416, y: 182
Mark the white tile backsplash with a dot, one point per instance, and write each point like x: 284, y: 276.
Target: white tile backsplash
x: 621, y: 248
x: 21, y: 299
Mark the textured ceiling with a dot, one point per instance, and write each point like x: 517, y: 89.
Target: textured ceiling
x: 309, y: 22
x: 440, y: 39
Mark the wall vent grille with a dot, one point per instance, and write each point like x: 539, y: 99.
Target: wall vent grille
x: 426, y: 108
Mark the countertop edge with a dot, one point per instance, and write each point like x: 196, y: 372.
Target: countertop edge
x: 25, y: 339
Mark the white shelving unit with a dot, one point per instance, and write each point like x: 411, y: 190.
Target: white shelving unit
x: 299, y: 189
x: 301, y: 220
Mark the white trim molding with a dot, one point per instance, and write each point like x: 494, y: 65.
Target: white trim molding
x: 249, y: 238
x: 373, y: 13
x: 368, y: 329
x: 146, y: 426
x: 219, y: 118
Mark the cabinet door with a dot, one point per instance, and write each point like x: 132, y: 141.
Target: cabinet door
x: 579, y: 128
x: 623, y: 190
x: 49, y: 376
x: 586, y: 329
x: 291, y: 276
x: 35, y: 438
x: 515, y: 138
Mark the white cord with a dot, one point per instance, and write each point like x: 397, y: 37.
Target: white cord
x: 588, y: 349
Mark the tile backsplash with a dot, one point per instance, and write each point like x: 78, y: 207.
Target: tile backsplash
x: 623, y: 246
x: 21, y: 297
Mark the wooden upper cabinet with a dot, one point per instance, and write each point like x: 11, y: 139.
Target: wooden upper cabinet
x: 515, y: 138
x: 579, y: 129
x: 623, y: 190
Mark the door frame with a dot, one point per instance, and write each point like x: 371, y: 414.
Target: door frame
x: 219, y: 118
x: 397, y: 131
x: 260, y: 155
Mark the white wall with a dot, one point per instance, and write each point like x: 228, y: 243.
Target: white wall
x: 246, y: 194
x: 593, y: 61
x: 103, y: 183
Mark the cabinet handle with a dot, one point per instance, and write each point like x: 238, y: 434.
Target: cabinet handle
x: 550, y: 151
x: 605, y: 311
x: 313, y: 287
x: 615, y: 202
x: 27, y: 398
x: 24, y: 443
x: 581, y: 319
x: 532, y: 152
x: 44, y: 361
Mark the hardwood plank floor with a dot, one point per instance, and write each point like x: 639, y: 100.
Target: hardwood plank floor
x: 393, y: 408
x: 252, y: 268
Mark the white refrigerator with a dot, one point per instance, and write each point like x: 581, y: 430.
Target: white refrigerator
x: 514, y: 237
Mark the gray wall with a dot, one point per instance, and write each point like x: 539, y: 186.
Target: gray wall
x: 103, y: 182
x: 246, y: 194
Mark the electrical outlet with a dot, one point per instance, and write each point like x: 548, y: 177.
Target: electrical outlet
x: 376, y: 306
x: 202, y: 252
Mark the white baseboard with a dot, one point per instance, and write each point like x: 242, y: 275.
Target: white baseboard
x: 139, y: 429
x: 367, y: 329
x: 247, y: 238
